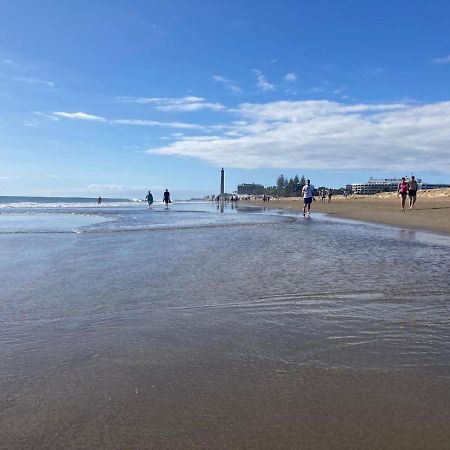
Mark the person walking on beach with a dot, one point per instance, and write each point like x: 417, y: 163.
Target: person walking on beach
x: 99, y: 201
x: 166, y: 198
x: 149, y: 198
x: 308, y: 197
x: 402, y: 191
x: 412, y: 191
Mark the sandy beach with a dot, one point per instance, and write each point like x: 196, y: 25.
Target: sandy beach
x: 431, y: 212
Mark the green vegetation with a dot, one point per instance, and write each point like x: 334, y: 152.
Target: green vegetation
x: 292, y: 187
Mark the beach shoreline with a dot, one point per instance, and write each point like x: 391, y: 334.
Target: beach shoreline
x: 431, y: 212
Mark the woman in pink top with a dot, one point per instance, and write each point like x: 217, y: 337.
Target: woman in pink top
x: 403, y: 191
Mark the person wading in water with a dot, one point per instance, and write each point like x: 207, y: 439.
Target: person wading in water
x: 166, y: 198
x: 149, y: 198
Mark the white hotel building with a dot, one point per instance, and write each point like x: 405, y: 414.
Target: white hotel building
x: 376, y: 185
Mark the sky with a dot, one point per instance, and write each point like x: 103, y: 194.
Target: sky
x: 113, y: 98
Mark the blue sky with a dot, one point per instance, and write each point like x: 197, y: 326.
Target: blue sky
x: 113, y: 97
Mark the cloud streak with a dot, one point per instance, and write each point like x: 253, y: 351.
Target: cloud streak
x: 442, y: 60
x: 9, y: 177
x: 135, y: 122
x: 167, y: 104
x: 79, y: 116
x: 113, y: 188
x: 228, y: 84
x: 35, y: 81
x: 327, y: 135
x: 261, y: 82
x: 156, y: 123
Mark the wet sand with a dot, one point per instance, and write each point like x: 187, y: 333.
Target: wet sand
x: 431, y: 212
x: 220, y: 405
x: 181, y: 339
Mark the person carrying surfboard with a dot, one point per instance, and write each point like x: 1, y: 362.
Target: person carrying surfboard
x: 149, y: 198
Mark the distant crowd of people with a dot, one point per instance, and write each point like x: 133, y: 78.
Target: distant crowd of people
x: 324, y: 194
x: 405, y: 189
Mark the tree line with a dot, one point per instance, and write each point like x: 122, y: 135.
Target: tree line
x: 292, y: 187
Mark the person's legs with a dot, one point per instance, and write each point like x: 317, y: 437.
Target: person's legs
x: 403, y: 200
x: 308, y: 202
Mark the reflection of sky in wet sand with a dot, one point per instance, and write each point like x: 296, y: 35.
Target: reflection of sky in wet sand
x: 32, y: 223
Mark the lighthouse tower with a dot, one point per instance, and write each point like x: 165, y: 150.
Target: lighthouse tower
x: 222, y: 183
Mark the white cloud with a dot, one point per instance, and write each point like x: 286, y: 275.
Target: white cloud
x: 113, y: 188
x: 189, y: 103
x: 290, y: 77
x: 316, y: 90
x: 273, y: 61
x: 339, y: 90
x: 35, y: 81
x: 262, y: 83
x: 9, y: 177
x: 136, y: 122
x: 47, y: 116
x: 442, y: 60
x: 155, y: 123
x: 6, y: 61
x: 228, y: 84
x: 327, y: 135
x: 79, y: 116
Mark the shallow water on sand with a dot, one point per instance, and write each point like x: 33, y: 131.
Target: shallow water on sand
x: 188, y: 328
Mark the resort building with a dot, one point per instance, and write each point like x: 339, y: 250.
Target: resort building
x: 433, y: 186
x: 376, y: 185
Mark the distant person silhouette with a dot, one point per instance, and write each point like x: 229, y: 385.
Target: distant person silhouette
x: 99, y: 200
x: 149, y: 198
x: 166, y: 198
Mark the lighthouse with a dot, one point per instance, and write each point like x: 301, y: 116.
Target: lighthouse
x: 222, y: 183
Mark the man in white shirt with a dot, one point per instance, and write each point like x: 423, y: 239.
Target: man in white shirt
x: 308, y: 196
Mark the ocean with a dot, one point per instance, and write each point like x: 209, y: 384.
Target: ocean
x: 209, y: 326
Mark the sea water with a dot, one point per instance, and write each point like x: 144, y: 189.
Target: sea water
x: 219, y: 326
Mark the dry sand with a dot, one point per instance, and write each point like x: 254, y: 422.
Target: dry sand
x: 431, y: 213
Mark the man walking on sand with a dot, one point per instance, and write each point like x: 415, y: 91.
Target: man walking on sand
x: 308, y: 197
x: 412, y: 191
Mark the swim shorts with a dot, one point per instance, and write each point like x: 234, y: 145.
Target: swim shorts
x: 412, y: 192
x: 307, y: 200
